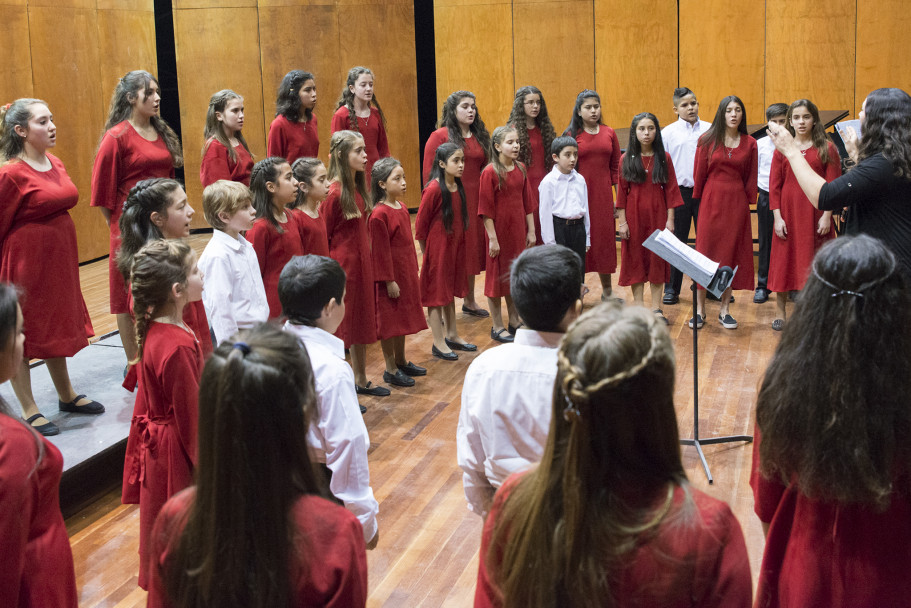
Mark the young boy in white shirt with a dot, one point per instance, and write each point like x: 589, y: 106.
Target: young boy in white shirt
x: 765, y: 219
x: 234, y: 297
x: 506, y: 396
x: 311, y: 290
x: 563, y: 201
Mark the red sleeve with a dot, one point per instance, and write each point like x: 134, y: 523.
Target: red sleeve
x: 529, y: 200
x: 383, y: 268
x: 487, y: 594
x: 276, y: 142
x: 259, y: 237
x: 181, y: 372
x: 487, y: 194
x: 340, y: 120
x: 833, y: 168
x: 431, y: 200
x: 672, y: 197
x: 436, y: 139
x: 622, y: 190
x: 351, y: 570
x: 214, y: 164
x: 11, y: 199
x: 728, y: 574
x: 700, y: 169
x: 767, y: 493
x: 776, y: 180
x: 331, y: 212
x: 168, y: 529
x: 17, y: 496
x: 106, y: 173
x: 382, y: 143
x: 752, y: 175
x: 614, y: 158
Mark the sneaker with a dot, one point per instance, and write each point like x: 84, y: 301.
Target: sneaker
x: 727, y: 321
x: 699, y: 322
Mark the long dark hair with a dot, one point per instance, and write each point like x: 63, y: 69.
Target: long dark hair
x: 288, y: 101
x: 542, y: 122
x: 346, y: 98
x: 136, y: 227
x: 448, y: 119
x: 818, y: 134
x: 239, y: 545
x: 828, y: 417
x: 266, y: 171
x: 443, y: 154
x: 575, y: 123
x: 887, y: 129
x: 715, y: 134
x: 632, y: 168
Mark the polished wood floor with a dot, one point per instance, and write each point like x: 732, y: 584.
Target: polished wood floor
x: 428, y: 548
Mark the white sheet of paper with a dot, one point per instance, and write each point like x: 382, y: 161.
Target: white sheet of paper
x: 705, y: 264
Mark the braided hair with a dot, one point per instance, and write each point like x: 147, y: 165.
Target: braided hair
x: 136, y: 227
x: 264, y: 172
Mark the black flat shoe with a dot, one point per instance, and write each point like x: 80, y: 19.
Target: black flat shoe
x: 670, y: 298
x: 410, y: 369
x: 499, y: 337
x: 441, y: 355
x: 470, y: 348
x: 761, y: 296
x: 362, y: 408
x: 47, y: 429
x: 372, y: 389
x: 397, y: 379
x: 514, y: 328
x: 92, y: 407
x: 475, y: 312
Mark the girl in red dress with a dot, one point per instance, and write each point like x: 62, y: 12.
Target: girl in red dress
x: 440, y: 231
x: 137, y: 144
x: 536, y: 134
x: 608, y: 518
x: 37, y: 194
x: 161, y: 447
x: 225, y: 155
x: 832, y: 457
x: 461, y: 124
x: 275, y: 235
x: 36, y: 568
x: 395, y: 271
x: 288, y: 547
x: 312, y: 189
x: 800, y: 228
x: 293, y: 134
x: 646, y: 197
x: 727, y: 166
x: 506, y: 204
x: 599, y: 164
x: 359, y: 111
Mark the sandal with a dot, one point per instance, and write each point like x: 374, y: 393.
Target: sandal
x: 47, y: 429
x: 778, y: 324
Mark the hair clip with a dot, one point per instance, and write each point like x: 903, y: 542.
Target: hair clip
x: 7, y: 106
x: 571, y: 412
x: 846, y: 292
x: 242, y: 347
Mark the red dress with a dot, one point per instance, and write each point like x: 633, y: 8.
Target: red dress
x: 349, y: 245
x: 313, y: 233
x: 161, y: 447
x: 697, y: 557
x: 443, y: 270
x: 791, y: 258
x: 507, y: 207
x: 646, y: 207
x: 293, y: 140
x: 829, y: 554
x: 124, y: 158
x: 36, y: 563
x: 394, y: 259
x: 34, y: 213
x: 372, y: 130
x: 217, y: 164
x: 537, y: 169
x: 273, y: 250
x: 599, y: 164
x: 475, y: 159
x: 727, y: 187
x: 336, y: 572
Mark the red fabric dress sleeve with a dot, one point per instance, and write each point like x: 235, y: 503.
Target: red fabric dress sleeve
x: 623, y: 190
x: 382, y: 143
x: 17, y: 497
x: 215, y: 164
x: 105, y: 173
x: 383, y: 268
x: 259, y: 238
x: 751, y: 177
x: 340, y: 120
x: 672, y: 197
x: 776, y: 181
x: 487, y: 595
x: 181, y: 371
x: 431, y: 199
x: 767, y: 493
x: 529, y: 198
x: 331, y: 212
x: 700, y: 170
x: 11, y: 199
x: 430, y: 150
x: 276, y: 142
x: 614, y: 158
x: 487, y: 193
x: 351, y: 568
x: 833, y: 168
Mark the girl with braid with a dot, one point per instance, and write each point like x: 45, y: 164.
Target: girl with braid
x: 608, y: 517
x: 161, y: 447
x: 293, y: 134
x: 359, y: 111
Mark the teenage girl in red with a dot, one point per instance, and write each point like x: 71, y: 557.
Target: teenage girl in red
x: 225, y: 155
x: 161, y: 447
x: 440, y: 230
x: 312, y: 189
x: 461, y: 124
x: 599, y: 164
x: 275, y: 235
x: 536, y: 134
x: 359, y: 111
x: 137, y: 144
x: 395, y: 271
x: 293, y: 134
x: 506, y: 204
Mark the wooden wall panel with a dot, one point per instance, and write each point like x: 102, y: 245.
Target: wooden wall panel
x: 635, y: 59
x: 721, y: 53
x: 882, y: 48
x: 201, y: 37
x: 809, y: 52
x: 16, y: 75
x: 559, y: 59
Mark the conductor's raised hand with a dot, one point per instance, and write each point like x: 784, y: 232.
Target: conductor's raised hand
x: 851, y: 143
x: 783, y: 140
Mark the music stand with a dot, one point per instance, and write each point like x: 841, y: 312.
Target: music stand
x: 707, y: 273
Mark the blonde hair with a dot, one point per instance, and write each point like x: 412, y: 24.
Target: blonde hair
x: 215, y: 129
x: 223, y: 196
x: 340, y: 147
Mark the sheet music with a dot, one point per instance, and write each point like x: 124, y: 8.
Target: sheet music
x: 667, y: 238
x: 842, y: 128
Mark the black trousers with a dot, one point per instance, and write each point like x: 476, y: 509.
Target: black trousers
x: 684, y: 216
x: 766, y: 220
x: 571, y: 234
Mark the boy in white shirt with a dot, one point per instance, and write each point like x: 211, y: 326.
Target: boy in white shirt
x: 506, y: 396
x: 311, y: 289
x: 765, y: 219
x: 563, y: 201
x: 234, y: 297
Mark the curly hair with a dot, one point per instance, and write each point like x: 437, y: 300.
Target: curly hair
x: 887, y: 129
x: 542, y: 122
x: 214, y: 129
x: 346, y: 98
x: 288, y: 101
x: 136, y: 227
x: 449, y: 120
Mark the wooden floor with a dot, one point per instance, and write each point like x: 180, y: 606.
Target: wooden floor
x: 428, y: 547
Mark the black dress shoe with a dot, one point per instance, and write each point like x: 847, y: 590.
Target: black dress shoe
x: 670, y: 298
x: 470, y: 348
x: 92, y: 407
x: 761, y: 296
x: 410, y: 369
x: 500, y: 337
x: 397, y: 379
x: 372, y: 389
x: 475, y: 312
x: 47, y: 429
x: 441, y: 355
x: 514, y: 328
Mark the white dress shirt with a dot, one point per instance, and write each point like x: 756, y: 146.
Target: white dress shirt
x: 563, y: 195
x: 766, y: 150
x: 506, y: 411
x: 233, y: 294
x: 338, y: 436
x: 680, y: 140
